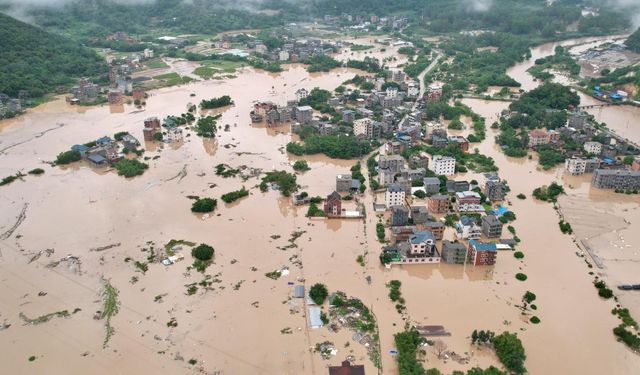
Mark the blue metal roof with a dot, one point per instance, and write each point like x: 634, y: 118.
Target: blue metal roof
x: 483, y: 246
x: 104, y: 139
x: 79, y: 148
x: 467, y: 221
x: 97, y: 158
x: 421, y: 236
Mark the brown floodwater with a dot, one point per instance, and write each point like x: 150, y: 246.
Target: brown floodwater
x: 236, y: 326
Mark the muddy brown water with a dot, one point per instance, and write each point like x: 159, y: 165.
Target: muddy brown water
x: 237, y: 329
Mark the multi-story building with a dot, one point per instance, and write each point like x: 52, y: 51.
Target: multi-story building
x: 538, y: 137
x: 304, y: 114
x: 491, y: 226
x: 386, y: 176
x: 413, y: 174
x: 616, y: 179
x: 468, y: 229
x: 419, y: 214
x: 453, y: 252
x: 343, y: 183
x: 444, y: 165
x: 366, y: 128
x: 431, y: 185
x: 392, y: 162
x: 456, y: 186
x: 333, y: 205
x: 438, y: 204
x: 399, y: 215
x: 493, y: 187
x: 301, y: 94
x: 394, y: 196
x: 435, y: 227
x: 468, y: 201
x: 594, y: 148
x: 462, y: 142
x: 481, y: 254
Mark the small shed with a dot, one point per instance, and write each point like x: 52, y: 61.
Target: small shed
x: 298, y: 291
x: 314, y: 317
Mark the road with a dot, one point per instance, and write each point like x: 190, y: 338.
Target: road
x: 423, y: 86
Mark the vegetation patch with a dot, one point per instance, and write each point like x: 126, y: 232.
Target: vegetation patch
x: 301, y: 166
x: 521, y: 276
x: 318, y: 293
x: 204, y: 205
x: 213, y: 103
x: 234, y: 195
x: 109, y: 309
x: 130, y: 167
x: 285, y: 182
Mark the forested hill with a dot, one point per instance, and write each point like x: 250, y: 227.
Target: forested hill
x: 89, y: 19
x: 634, y: 41
x: 34, y: 60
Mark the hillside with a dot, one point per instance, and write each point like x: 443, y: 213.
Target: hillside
x: 38, y: 62
x: 634, y: 41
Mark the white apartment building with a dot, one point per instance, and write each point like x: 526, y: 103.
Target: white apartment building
x: 362, y: 127
x: 575, y: 166
x: 444, y: 165
x: 593, y: 147
x: 394, y: 196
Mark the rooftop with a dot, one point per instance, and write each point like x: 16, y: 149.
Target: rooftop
x: 467, y: 194
x: 483, y: 246
x: 395, y: 188
x: 421, y: 236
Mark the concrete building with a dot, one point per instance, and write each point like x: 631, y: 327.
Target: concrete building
x: 394, y: 196
x: 431, y: 185
x: 386, y: 176
x: 457, y: 186
x: 538, y: 137
x: 438, y: 204
x: 468, y: 201
x: 468, y: 229
x: 444, y: 165
x: 367, y: 128
x: 491, y: 226
x: 435, y: 227
x: 481, y: 254
x: 413, y: 174
x: 577, y: 166
x: 419, y: 214
x: 594, y: 148
x: 301, y: 94
x: 453, y: 252
x: 392, y: 162
x: 348, y: 116
x: 494, y: 190
x: 399, y: 215
x: 343, y: 183
x: 304, y: 114
x: 616, y: 179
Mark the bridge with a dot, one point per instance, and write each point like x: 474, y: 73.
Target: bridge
x: 598, y: 105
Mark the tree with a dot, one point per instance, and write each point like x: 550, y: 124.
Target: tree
x: 130, y: 167
x: 510, y: 351
x: 204, y: 205
x: 206, y: 126
x: 318, y: 293
x: 68, y: 157
x: 420, y: 194
x: 222, y: 101
x: 202, y: 252
x: 301, y: 166
x: 440, y: 347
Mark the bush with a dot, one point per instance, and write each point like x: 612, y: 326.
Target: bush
x: 130, y: 167
x: 301, y: 166
x: 521, y: 196
x: 158, y: 136
x: 534, y: 319
x: 202, y: 252
x: 36, y: 171
x: 518, y: 255
x: 234, y: 195
x: 67, y: 157
x: 521, y: 276
x: 204, y: 205
x: 318, y: 293
x: 380, y: 232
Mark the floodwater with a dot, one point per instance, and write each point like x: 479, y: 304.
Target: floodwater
x: 235, y: 327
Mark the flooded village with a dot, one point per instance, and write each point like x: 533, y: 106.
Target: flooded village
x: 418, y: 222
